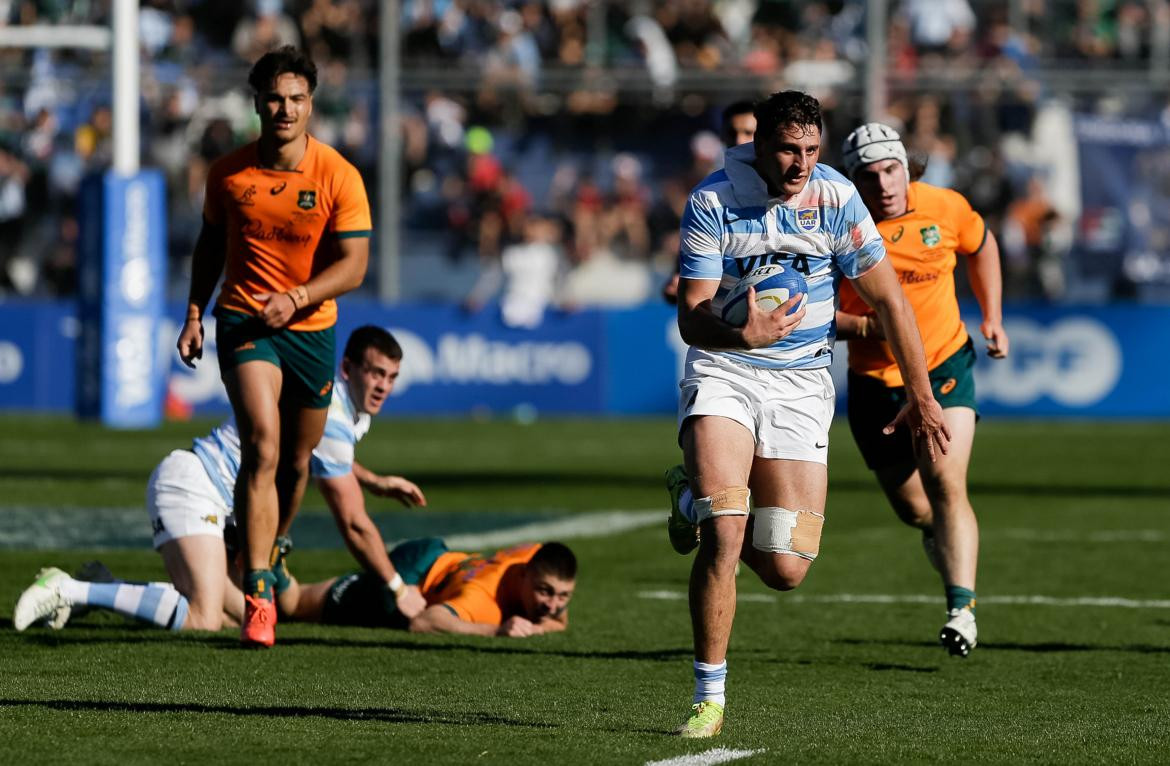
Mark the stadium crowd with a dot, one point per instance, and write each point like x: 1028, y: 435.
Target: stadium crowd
x: 565, y: 134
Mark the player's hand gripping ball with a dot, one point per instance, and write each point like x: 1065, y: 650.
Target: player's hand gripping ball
x: 774, y: 285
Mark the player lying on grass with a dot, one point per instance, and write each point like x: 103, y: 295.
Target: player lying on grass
x: 519, y: 591
x: 189, y: 499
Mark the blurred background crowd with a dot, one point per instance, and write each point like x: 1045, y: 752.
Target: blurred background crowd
x: 548, y: 147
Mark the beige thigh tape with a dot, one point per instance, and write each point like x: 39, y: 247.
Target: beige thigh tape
x: 779, y: 530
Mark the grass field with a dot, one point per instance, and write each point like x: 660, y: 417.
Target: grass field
x: 1073, y: 664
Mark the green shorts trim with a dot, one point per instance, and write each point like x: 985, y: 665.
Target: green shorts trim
x: 362, y: 599
x: 306, y: 358
x: 872, y: 405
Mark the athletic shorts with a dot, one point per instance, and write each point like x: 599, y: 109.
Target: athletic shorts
x: 872, y: 405
x: 182, y: 500
x: 788, y: 412
x: 306, y: 359
x: 362, y: 598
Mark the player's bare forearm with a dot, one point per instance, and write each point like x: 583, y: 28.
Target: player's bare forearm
x: 397, y: 487
x: 700, y: 327
x: 439, y: 619
x: 983, y: 271
x: 344, y: 274
x: 922, y: 415
x: 364, y: 475
x: 858, y: 327
x: 344, y: 497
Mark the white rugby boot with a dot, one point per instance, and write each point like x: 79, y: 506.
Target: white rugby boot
x: 958, y: 636
x: 43, y: 600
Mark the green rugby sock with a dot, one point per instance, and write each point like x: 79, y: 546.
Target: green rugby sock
x: 960, y: 598
x: 260, y: 583
x: 280, y: 550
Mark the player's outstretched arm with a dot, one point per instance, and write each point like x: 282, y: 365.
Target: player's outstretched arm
x: 206, y: 267
x: 987, y: 284
x: 440, y: 619
x: 922, y: 414
x: 396, y: 487
x: 344, y: 497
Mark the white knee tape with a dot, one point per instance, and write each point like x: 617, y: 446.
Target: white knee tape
x: 732, y: 501
x: 779, y: 530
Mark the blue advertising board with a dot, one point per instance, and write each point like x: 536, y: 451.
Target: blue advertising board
x: 1098, y: 362
x: 122, y: 295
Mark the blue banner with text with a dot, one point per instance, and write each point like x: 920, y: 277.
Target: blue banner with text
x: 1066, y: 361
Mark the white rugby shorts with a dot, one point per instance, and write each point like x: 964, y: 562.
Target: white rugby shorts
x: 788, y: 412
x: 182, y: 500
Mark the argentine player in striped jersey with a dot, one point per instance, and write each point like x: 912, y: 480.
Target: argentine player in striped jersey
x: 189, y: 499
x: 756, y: 401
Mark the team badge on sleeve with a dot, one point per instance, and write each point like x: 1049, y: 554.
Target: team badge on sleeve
x: 808, y: 218
x: 307, y: 200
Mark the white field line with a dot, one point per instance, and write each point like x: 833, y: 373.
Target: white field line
x: 706, y: 758
x: 577, y: 525
x: 76, y: 528
x: 881, y: 598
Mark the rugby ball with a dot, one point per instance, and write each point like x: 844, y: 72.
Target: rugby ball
x: 774, y: 284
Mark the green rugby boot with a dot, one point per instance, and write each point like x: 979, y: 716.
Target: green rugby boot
x: 684, y: 536
x: 706, y: 720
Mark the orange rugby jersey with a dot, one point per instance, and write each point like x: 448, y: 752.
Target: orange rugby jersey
x: 275, y: 220
x: 480, y: 590
x: 922, y: 244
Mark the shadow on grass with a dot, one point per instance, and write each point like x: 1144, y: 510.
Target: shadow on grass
x: 94, y: 635
x: 383, y: 715
x: 1042, y: 647
x: 883, y: 666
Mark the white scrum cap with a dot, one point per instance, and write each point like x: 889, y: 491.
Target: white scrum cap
x: 872, y: 142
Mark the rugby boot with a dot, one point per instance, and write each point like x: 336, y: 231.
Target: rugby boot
x: 43, y: 601
x: 259, y: 627
x: 706, y: 720
x: 959, y: 634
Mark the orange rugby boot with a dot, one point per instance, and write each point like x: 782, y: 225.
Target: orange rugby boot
x: 259, y: 627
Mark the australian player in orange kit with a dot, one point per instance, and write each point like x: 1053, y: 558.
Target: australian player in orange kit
x: 517, y: 592
x: 287, y: 221
x: 925, y: 229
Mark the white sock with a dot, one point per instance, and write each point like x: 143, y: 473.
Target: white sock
x: 710, y: 682
x: 158, y: 603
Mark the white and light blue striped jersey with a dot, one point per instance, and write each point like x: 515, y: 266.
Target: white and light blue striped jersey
x: 345, y: 427
x: 333, y: 456
x: 732, y: 226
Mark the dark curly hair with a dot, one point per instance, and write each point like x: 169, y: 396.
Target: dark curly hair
x: 285, y: 60
x: 788, y: 108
